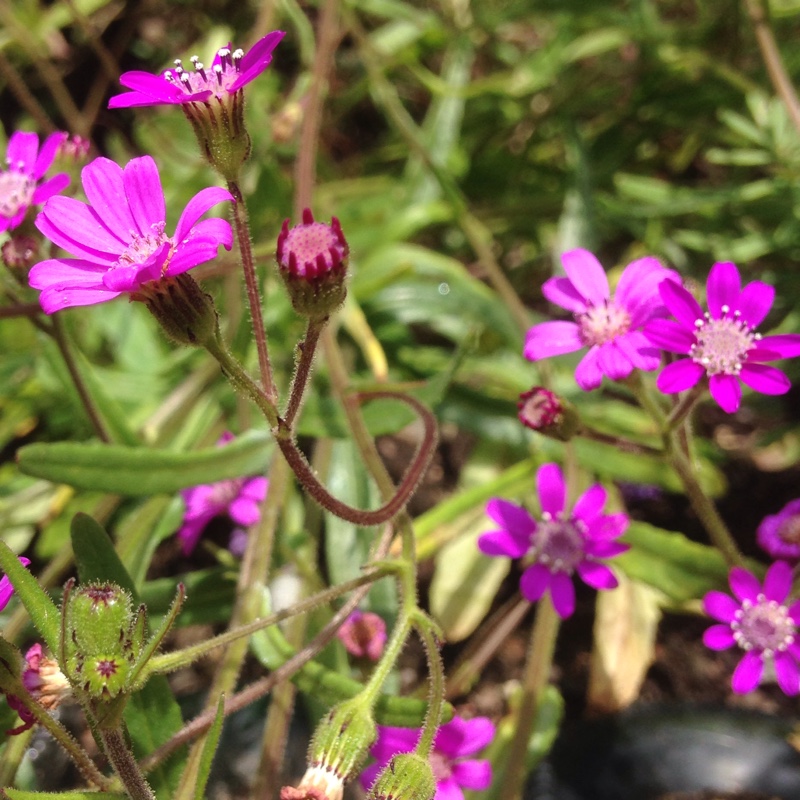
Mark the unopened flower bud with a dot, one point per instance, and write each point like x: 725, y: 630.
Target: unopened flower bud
x: 43, y: 679
x: 364, y: 635
x: 75, y: 148
x: 407, y: 776
x: 20, y: 252
x: 184, y: 311
x: 312, y: 258
x: 545, y: 412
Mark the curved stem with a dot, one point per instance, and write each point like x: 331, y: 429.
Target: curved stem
x: 433, y: 718
x: 308, y: 348
x: 125, y: 765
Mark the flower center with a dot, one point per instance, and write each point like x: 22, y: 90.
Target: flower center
x: 218, y: 79
x: 16, y: 192
x: 721, y: 345
x: 789, y: 530
x: 224, y: 493
x: 441, y: 765
x: 764, y: 626
x: 142, y: 247
x: 601, y: 324
x: 559, y: 543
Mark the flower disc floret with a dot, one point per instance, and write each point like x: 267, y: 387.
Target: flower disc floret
x: 119, y: 238
x: 758, y: 621
x: 611, y: 327
x: 722, y: 343
x: 561, y: 543
x: 21, y: 184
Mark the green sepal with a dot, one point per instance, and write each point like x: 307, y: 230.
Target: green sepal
x: 99, y: 619
x: 139, y: 673
x: 407, y: 776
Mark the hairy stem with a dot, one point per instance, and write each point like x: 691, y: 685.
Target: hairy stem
x: 307, y: 348
x: 125, y: 765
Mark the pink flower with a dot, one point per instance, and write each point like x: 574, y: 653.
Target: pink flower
x: 454, y: 741
x: 6, y: 588
x: 610, y: 327
x: 238, y: 498
x: 228, y: 73
x: 363, y: 634
x: 119, y: 238
x: 760, y: 622
x: 779, y: 534
x: 559, y: 544
x: 20, y: 186
x: 721, y: 343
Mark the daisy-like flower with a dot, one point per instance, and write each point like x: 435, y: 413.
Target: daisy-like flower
x: 721, y: 343
x: 454, y: 742
x: 611, y: 327
x: 6, y: 587
x: 229, y: 71
x: 561, y: 543
x: 238, y: 498
x: 760, y: 623
x: 779, y: 534
x: 21, y: 184
x: 119, y: 238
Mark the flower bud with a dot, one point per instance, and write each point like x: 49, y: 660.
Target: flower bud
x: 184, y: 311
x: 407, y: 776
x: 545, y: 412
x: 363, y: 634
x: 20, y: 252
x: 312, y: 258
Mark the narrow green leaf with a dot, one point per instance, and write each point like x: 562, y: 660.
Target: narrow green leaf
x: 95, y: 556
x: 209, y: 749
x: 43, y: 612
x: 136, y: 471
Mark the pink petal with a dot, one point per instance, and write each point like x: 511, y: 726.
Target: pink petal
x: 562, y: 592
x: 52, y: 300
x: 393, y: 740
x: 747, y: 674
x: 503, y: 543
x: 48, y: 153
x: 606, y: 549
x: 587, y: 275
x: 478, y: 733
x: 257, y: 59
x: 448, y: 789
x: 561, y: 292
x: 744, y: 584
x: 787, y: 673
x: 720, y: 606
x: 765, y: 379
x: 534, y: 582
x: 76, y: 228
x: 613, y: 361
x: 46, y: 190
x: 197, y: 206
x: 103, y: 182
x: 755, y: 302
x: 255, y: 489
x: 639, y: 350
x: 597, y: 575
x: 552, y: 339
x: 511, y: 517
x: 473, y: 774
x: 669, y: 335
x: 144, y: 193
x: 727, y: 391
x: 244, y: 511
x: 211, y: 229
x: 551, y: 488
x: 590, y: 503
x: 64, y: 272
x: 680, y: 303
x: 778, y: 582
x: 785, y: 345
x: 189, y: 254
x: 679, y: 376
x: 21, y: 152
x: 723, y: 288
x: 719, y: 637
x: 637, y: 290
x: 588, y: 373
x: 369, y: 775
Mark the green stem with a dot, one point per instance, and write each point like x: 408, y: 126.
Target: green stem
x: 534, y: 682
x: 125, y: 765
x: 433, y: 718
x: 684, y: 407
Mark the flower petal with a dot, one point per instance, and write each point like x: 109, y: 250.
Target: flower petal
x: 475, y: 774
x: 105, y: 190
x: 679, y: 376
x: 48, y: 153
x: 639, y: 350
x: 534, y: 582
x: 64, y: 272
x: 778, y: 582
x: 52, y: 300
x: 727, y: 391
x: 597, y: 575
x: 243, y: 511
x: 561, y: 292
x: 765, y: 379
x: 747, y: 674
x: 145, y: 197
x: 613, y: 361
x: 512, y: 517
x: 590, y: 504
x: 670, y: 335
x: 76, y: 228
x: 562, y: 592
x: 552, y: 339
x: 784, y: 345
x: 197, y: 206
x: 755, y: 302
x: 787, y: 673
x: 723, y: 288
x: 21, y: 152
x: 588, y: 373
x: 637, y: 290
x: 257, y: 59
x: 719, y: 637
x: 680, y: 303
x: 587, y: 275
x: 551, y: 488
x: 744, y: 584
x: 44, y: 191
x: 720, y: 606
x: 448, y: 789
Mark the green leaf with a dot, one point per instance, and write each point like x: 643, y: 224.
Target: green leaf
x: 209, y: 749
x: 95, y: 556
x: 43, y: 612
x: 136, y: 471
x: 209, y: 596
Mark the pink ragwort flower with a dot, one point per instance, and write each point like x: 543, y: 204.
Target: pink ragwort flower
x: 21, y: 183
x: 779, y: 534
x: 721, y: 343
x: 609, y: 326
x: 760, y: 622
x: 6, y: 588
x: 561, y: 543
x: 238, y: 498
x: 228, y: 73
x: 452, y: 769
x: 363, y: 634
x: 119, y: 238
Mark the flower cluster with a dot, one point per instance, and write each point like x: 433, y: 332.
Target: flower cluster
x: 454, y: 743
x: 561, y: 543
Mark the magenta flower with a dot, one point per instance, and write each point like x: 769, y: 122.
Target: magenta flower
x: 20, y: 186
x: 779, y: 534
x: 454, y: 741
x: 561, y: 543
x: 721, y: 343
x: 6, y: 588
x: 363, y: 634
x: 610, y: 327
x: 119, y: 238
x: 228, y: 73
x: 760, y: 622
x: 238, y: 498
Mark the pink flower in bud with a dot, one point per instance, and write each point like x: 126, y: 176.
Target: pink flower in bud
x: 364, y: 635
x: 75, y: 148
x: 313, y: 248
x: 539, y: 408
